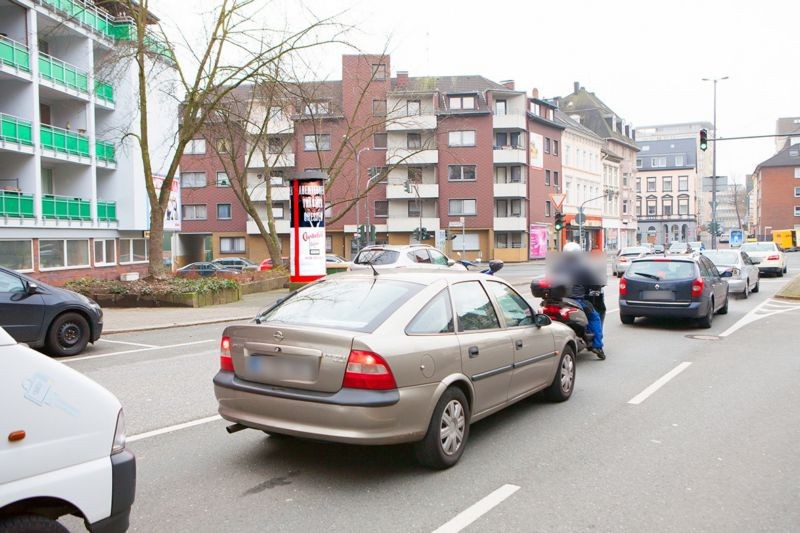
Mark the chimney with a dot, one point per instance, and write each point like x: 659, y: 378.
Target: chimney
x: 508, y: 84
x: 402, y: 79
x: 535, y: 92
x: 576, y: 86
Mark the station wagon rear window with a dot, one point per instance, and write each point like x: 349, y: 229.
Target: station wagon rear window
x: 354, y: 305
x: 661, y: 270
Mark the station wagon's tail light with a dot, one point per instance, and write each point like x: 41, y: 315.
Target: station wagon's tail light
x: 697, y: 287
x: 623, y: 287
x: 225, y: 360
x: 774, y: 258
x: 367, y: 370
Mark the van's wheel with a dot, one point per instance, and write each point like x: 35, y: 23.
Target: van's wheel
x: 30, y: 523
x: 564, y: 381
x: 627, y: 319
x: 68, y: 335
x: 707, y: 320
x: 447, y: 433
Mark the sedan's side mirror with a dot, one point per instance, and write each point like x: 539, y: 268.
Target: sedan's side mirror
x: 33, y: 288
x: 726, y: 274
x: 541, y: 320
x: 450, y: 262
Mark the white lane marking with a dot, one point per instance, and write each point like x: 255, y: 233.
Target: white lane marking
x: 176, y: 427
x: 130, y: 343
x: 100, y: 356
x: 765, y: 309
x: 612, y: 310
x: 646, y: 393
x: 476, y: 510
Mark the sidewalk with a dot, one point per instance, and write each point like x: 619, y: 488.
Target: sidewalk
x: 791, y: 290
x: 121, y: 320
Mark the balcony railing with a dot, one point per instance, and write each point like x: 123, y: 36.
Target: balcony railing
x: 107, y: 211
x: 63, y: 73
x: 105, y: 151
x: 103, y: 90
x: 64, y: 141
x: 126, y: 31
x: 65, y: 208
x: 87, y: 14
x: 15, y: 54
x: 16, y: 205
x: 15, y: 130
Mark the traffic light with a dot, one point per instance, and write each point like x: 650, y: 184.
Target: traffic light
x: 704, y: 139
x: 407, y: 186
x: 559, y: 223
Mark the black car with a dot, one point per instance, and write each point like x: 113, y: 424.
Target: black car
x: 61, y: 321
x: 673, y: 286
x: 205, y: 269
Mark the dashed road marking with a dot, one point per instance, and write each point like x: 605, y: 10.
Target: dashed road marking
x: 660, y: 382
x: 129, y: 343
x: 765, y: 309
x: 124, y: 352
x: 176, y: 427
x: 478, y: 509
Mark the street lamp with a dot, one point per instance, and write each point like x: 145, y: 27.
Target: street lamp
x: 608, y: 193
x: 714, y: 167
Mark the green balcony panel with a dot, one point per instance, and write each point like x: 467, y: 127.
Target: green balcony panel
x: 13, y: 129
x: 62, y: 73
x: 16, y: 205
x: 105, y: 151
x: 107, y: 211
x: 97, y: 19
x: 64, y: 141
x: 103, y: 90
x: 65, y: 208
x: 14, y: 54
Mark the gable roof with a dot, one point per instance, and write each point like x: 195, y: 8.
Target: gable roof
x: 788, y: 157
x: 573, y: 124
x: 594, y: 112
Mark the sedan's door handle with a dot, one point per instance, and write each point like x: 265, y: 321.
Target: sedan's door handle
x: 519, y: 345
x: 473, y: 352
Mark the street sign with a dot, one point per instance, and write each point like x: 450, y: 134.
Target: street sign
x: 456, y: 224
x: 580, y: 218
x: 737, y: 237
x: 558, y: 199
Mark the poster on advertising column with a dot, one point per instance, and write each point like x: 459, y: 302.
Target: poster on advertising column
x: 307, y: 237
x: 538, y: 242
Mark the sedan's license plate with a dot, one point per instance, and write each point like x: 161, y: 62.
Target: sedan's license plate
x: 276, y: 368
x: 658, y: 295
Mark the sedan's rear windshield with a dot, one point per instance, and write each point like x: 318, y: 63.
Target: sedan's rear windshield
x: 356, y: 305
x: 722, y: 257
x: 759, y: 247
x: 632, y: 251
x: 661, y: 270
x: 377, y: 257
x: 678, y: 246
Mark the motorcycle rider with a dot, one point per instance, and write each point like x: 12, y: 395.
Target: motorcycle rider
x: 574, y: 265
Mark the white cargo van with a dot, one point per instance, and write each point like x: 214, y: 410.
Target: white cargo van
x: 62, y: 446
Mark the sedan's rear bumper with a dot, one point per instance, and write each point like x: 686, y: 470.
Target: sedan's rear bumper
x: 349, y: 415
x: 736, y: 285
x: 770, y: 269
x: 639, y: 308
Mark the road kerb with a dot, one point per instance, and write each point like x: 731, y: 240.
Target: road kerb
x: 177, y: 324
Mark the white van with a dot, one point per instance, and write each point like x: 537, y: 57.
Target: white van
x: 62, y: 446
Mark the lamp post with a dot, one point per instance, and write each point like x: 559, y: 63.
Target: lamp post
x: 581, y: 216
x: 714, y: 168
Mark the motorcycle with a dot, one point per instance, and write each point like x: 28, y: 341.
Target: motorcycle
x: 560, y: 308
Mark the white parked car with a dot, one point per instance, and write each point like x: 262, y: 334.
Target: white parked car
x: 393, y: 256
x: 62, y: 449
x: 743, y: 272
x: 767, y: 255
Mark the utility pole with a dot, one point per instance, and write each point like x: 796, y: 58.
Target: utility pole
x: 714, y: 169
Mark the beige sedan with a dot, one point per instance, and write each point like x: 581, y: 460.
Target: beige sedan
x: 402, y: 356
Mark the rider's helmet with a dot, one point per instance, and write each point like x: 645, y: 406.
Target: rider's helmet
x: 572, y: 248
x: 495, y: 265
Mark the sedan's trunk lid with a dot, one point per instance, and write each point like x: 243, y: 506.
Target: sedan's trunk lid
x: 660, y: 281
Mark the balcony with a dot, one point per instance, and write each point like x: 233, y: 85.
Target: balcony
x: 510, y: 224
x: 61, y: 141
x: 675, y: 217
x: 278, y: 194
x: 105, y: 153
x: 85, y: 14
x: 398, y: 192
x: 14, y: 56
x: 16, y: 205
x: 64, y: 208
x: 125, y: 30
x: 404, y: 156
x: 510, y: 190
x: 406, y: 224
x: 104, y: 93
x: 107, y: 211
x: 63, y: 75
x: 15, y: 133
x: 281, y: 226
x: 510, y: 155
x: 285, y: 159
x: 509, y: 122
x: 410, y: 123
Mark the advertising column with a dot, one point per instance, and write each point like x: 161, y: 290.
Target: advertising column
x: 307, y: 237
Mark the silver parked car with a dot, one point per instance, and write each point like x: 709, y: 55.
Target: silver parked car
x: 383, y: 256
x: 406, y: 355
x: 744, y: 272
x: 621, y: 261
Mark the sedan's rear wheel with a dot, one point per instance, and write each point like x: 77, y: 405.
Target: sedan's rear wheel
x: 724, y: 309
x: 68, y: 335
x: 627, y: 319
x: 447, y: 433
x: 780, y: 273
x: 564, y: 381
x: 757, y: 287
x: 746, y: 292
x: 707, y: 320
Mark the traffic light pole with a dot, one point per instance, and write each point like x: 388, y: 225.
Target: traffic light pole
x: 714, y: 169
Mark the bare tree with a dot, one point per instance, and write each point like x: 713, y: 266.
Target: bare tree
x: 739, y: 200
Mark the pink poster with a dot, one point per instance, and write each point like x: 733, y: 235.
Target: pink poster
x: 538, y: 242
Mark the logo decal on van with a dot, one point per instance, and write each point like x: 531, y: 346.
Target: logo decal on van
x: 39, y: 390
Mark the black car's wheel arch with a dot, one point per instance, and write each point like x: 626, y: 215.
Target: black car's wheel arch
x: 77, y: 310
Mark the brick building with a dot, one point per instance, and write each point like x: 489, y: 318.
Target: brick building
x: 777, y: 184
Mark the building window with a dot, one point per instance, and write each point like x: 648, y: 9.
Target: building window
x: 638, y: 184
x: 638, y: 163
x: 651, y: 184
x: 547, y: 208
x: 555, y: 179
x: 652, y: 206
x: 415, y: 174
x: 231, y: 245
x: 638, y: 206
x: 222, y: 180
x: 379, y: 141
x: 275, y: 145
x: 462, y: 207
x: 555, y: 147
x: 658, y: 162
x: 508, y: 140
x: 683, y: 205
x: 17, y: 255
x: 507, y: 208
x: 797, y: 192
x: 797, y: 210
x: 507, y: 240
x: 500, y: 107
x: 462, y: 102
x: 277, y: 210
x: 222, y: 146
x: 547, y: 177
x: 461, y: 172
x: 328, y: 244
x: 683, y: 183
x: 194, y: 212
x: 461, y: 138
x: 547, y: 145
x: 224, y: 211
x: 379, y: 72
x: 63, y: 253
x: 666, y: 205
x: 105, y: 252
x: 625, y: 207
x: 132, y: 251
x: 466, y: 241
x: 382, y: 208
x: 192, y: 180
x: 666, y: 184
x: 379, y: 108
x: 317, y: 108
x: 195, y: 147
x: 413, y: 108
x: 516, y: 175
x: 312, y: 143
x: 679, y: 160
x: 379, y: 172
x: 414, y: 209
x: 414, y: 141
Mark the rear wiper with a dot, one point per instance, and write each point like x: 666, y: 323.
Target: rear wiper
x: 646, y: 275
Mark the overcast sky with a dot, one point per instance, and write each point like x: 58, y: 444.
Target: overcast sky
x: 644, y: 59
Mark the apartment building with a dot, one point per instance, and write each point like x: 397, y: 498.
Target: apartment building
x: 667, y: 204
x: 72, y: 193
x: 777, y: 186
x: 612, y: 217
x: 784, y: 127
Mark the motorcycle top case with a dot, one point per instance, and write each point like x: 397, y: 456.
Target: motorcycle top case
x: 550, y: 289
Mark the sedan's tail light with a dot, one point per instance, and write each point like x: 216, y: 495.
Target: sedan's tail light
x: 623, y: 287
x: 367, y: 370
x: 225, y: 360
x: 697, y: 287
x: 774, y: 258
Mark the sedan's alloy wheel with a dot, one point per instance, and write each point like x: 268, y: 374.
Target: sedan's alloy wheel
x: 567, y: 374
x: 451, y: 431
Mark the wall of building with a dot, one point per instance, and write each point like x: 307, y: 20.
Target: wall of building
x: 778, y: 200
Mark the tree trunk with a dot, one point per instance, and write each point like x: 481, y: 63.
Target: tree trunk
x: 155, y: 243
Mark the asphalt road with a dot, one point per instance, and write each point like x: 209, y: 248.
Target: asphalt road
x: 712, y: 449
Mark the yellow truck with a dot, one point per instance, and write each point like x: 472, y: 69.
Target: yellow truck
x: 785, y: 238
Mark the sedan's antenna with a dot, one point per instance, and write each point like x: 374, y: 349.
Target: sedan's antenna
x: 374, y: 271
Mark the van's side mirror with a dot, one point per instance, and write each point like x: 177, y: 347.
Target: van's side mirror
x: 32, y: 288
x: 541, y: 320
